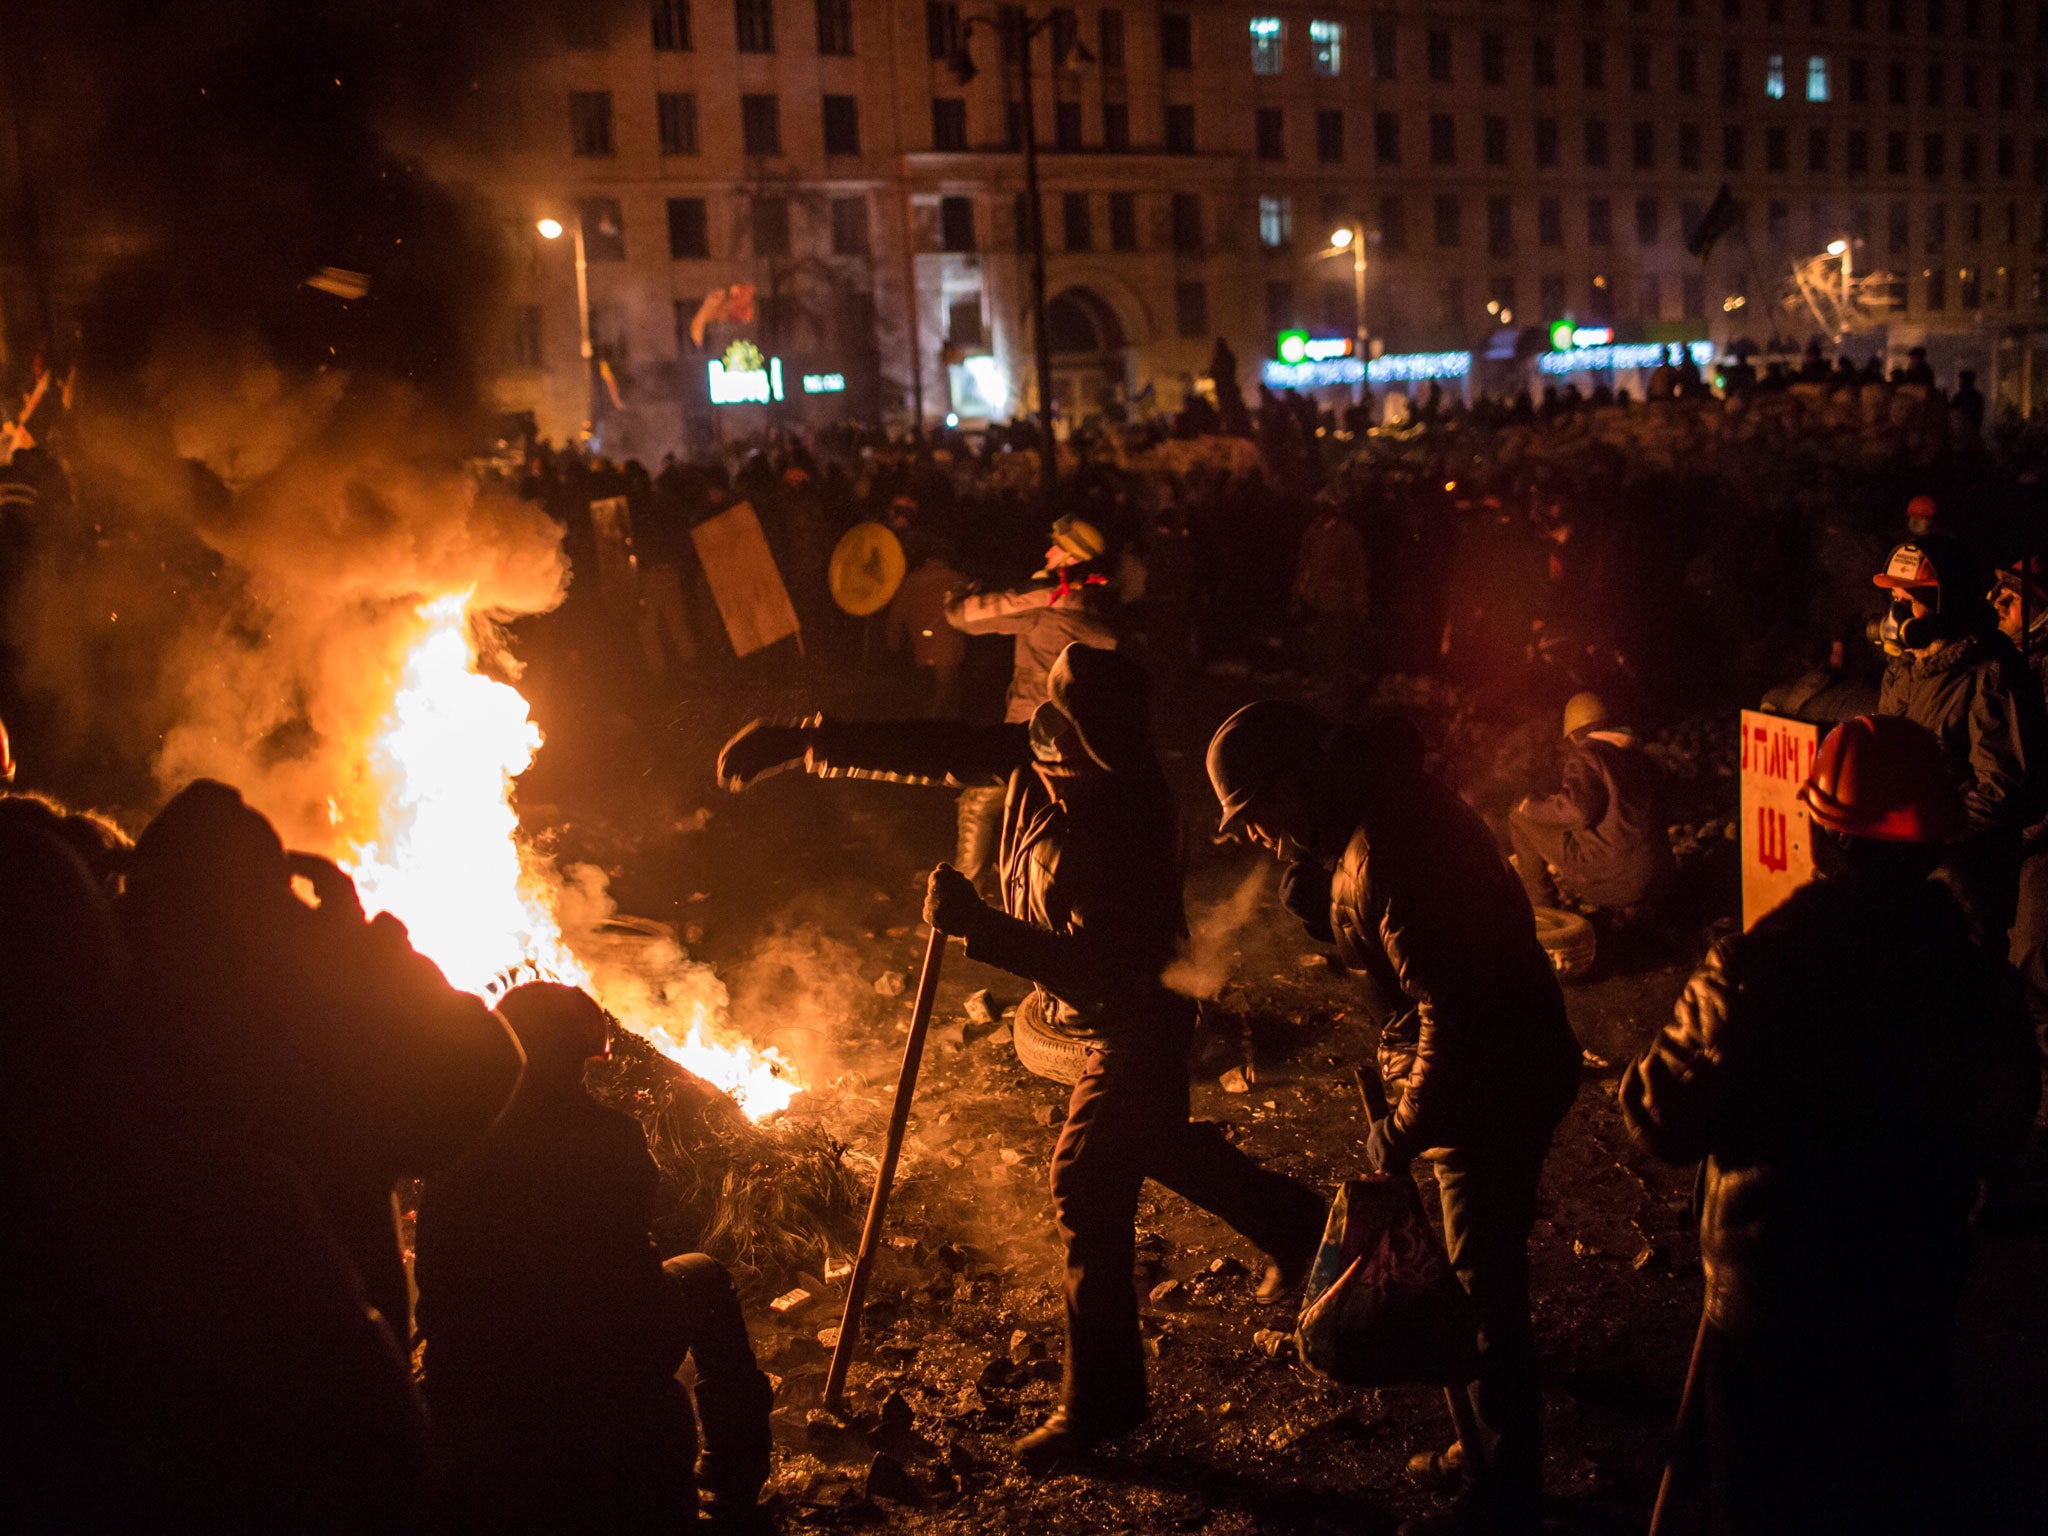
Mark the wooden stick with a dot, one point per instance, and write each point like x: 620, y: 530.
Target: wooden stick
x: 1372, y: 1094
x: 1688, y: 1401
x: 885, y: 1176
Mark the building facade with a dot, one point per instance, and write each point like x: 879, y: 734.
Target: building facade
x: 1508, y: 163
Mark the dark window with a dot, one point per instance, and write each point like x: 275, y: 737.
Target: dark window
x: 2008, y: 90
x: 1543, y: 62
x: 771, y: 226
x: 1972, y: 165
x: 1596, y: 64
x: 1776, y: 155
x: 956, y: 223
x: 1937, y: 287
x: 1020, y: 219
x: 1066, y: 127
x: 1731, y: 75
x: 1599, y: 222
x: 1646, y: 220
x: 1075, y: 221
x: 1191, y: 311
x: 1443, y: 139
x: 2008, y: 156
x: 1937, y: 86
x: 1688, y: 70
x: 842, y: 125
x: 1449, y: 219
x: 754, y: 24
x: 1066, y: 32
x: 1817, y: 151
x: 1596, y: 142
x: 1546, y: 141
x: 1268, y: 125
x: 1116, y: 126
x: 760, y: 125
x: 949, y: 123
x: 1123, y: 221
x: 1330, y: 135
x: 1279, y: 305
x: 1937, y: 17
x: 671, y: 26
x: 1688, y: 146
x: 590, y: 122
x: 604, y: 229
x: 1550, y: 296
x: 1895, y: 83
x: 835, y: 28
x: 526, y: 336
x: 1500, y: 226
x: 1895, y: 153
x: 1393, y: 223
x: 1731, y: 147
x: 1639, y: 66
x: 1384, y: 61
x: 1643, y: 146
x: 1109, y: 38
x: 1013, y: 125
x: 1180, y: 129
x: 1440, y: 55
x: 1493, y: 58
x: 1896, y: 229
x: 1933, y: 157
x: 1859, y: 152
x: 675, y: 114
x: 849, y: 226
x: 1859, y: 81
x: 965, y: 329
x: 1550, y: 221
x: 941, y: 29
x: 1495, y: 140
x: 689, y: 228
x: 1973, y: 86
x: 1187, y: 222
x: 1693, y: 296
x: 1386, y: 137
x: 1176, y: 40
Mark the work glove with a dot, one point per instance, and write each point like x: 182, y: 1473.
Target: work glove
x: 1305, y: 891
x: 951, y: 904
x: 1386, y: 1152
x: 334, y: 894
x: 759, y: 750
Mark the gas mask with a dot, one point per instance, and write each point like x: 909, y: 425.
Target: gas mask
x: 1053, y: 737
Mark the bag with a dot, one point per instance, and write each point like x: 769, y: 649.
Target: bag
x: 1383, y: 1307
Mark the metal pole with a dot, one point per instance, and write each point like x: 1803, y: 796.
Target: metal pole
x: 1025, y: 32
x: 583, y: 324
x: 1358, y: 284
x: 885, y: 1175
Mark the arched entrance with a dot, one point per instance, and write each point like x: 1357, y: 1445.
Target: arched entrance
x: 1088, y: 353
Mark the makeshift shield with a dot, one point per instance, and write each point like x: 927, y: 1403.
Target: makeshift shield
x: 867, y: 568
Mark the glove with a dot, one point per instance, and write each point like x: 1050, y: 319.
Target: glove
x: 333, y: 892
x: 759, y: 750
x: 1385, y: 1152
x: 1305, y: 891
x: 951, y: 903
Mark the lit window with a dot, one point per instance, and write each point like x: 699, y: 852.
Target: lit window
x: 1326, y: 47
x: 1774, y: 77
x: 1816, y: 79
x: 1276, y: 222
x: 1266, y: 35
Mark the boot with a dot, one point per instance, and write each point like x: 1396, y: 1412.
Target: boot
x: 732, y: 1419
x: 1441, y: 1470
x: 1063, y: 1439
x: 1280, y: 1283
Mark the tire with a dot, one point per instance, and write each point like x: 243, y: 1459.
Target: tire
x: 1043, y: 1050
x: 1568, y: 939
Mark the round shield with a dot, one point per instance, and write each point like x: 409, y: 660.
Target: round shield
x: 866, y: 570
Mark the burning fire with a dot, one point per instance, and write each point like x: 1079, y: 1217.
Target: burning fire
x: 447, y: 860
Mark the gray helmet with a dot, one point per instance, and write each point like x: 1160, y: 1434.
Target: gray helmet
x: 1252, y: 750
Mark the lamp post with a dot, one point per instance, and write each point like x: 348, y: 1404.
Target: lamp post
x: 1351, y: 238
x: 551, y: 229
x: 1025, y: 29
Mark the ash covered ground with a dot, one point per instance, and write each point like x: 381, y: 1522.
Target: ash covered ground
x: 805, y: 894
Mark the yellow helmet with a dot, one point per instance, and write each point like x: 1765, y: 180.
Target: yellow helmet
x: 1078, y: 537
x: 1582, y: 712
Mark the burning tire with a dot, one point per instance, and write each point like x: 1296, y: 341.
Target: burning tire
x: 1045, y: 1050
x: 1568, y: 939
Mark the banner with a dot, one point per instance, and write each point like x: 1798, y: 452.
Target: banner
x: 748, y: 588
x: 1777, y: 855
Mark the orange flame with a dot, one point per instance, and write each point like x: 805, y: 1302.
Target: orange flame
x: 448, y: 861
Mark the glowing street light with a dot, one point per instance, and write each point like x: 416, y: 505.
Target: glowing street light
x: 1838, y: 247
x: 1349, y: 239
x: 1341, y: 238
x: 550, y: 229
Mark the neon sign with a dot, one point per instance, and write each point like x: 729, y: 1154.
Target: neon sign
x: 1617, y: 359
x: 744, y: 377
x: 824, y: 383
x: 1300, y: 347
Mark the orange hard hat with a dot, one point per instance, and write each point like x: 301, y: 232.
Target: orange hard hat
x: 1883, y: 777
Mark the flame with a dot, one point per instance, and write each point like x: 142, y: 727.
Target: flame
x: 447, y: 860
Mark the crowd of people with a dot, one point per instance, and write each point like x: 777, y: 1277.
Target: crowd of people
x: 220, y: 1070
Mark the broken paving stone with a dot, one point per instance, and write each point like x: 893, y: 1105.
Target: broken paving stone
x: 838, y: 1269
x: 1236, y: 1080
x: 998, y: 1037
x: 1167, y: 1290
x: 889, y: 984
x: 1024, y: 1348
x: 978, y: 1008
x: 1274, y: 1344
x: 951, y: 1256
x: 1227, y: 1409
x: 790, y: 1300
x: 1011, y: 1156
x: 896, y: 1414
x: 1228, y: 1268
x: 887, y: 1479
x: 1047, y: 1370
x: 996, y: 1376
x: 829, y: 1337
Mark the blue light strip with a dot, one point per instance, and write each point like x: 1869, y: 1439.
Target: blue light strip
x: 1619, y: 359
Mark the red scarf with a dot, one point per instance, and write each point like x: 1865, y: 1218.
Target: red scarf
x: 1067, y: 586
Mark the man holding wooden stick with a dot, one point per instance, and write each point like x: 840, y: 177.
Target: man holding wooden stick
x: 1092, y: 914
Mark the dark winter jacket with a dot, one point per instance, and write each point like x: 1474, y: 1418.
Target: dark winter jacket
x: 1845, y: 1069
x: 1091, y: 866
x: 1611, y: 810
x: 1421, y: 899
x: 1045, y: 620
x: 1985, y: 706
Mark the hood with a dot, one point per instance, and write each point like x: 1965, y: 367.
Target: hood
x: 1109, y: 699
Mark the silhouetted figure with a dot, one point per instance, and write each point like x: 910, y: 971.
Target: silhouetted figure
x: 1603, y: 831
x: 553, y: 1330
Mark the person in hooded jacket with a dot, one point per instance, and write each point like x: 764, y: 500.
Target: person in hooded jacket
x: 1068, y: 602
x: 1839, y: 1172
x: 1092, y: 915
x: 2020, y: 599
x: 1603, y: 832
x: 1955, y: 675
x: 1388, y: 864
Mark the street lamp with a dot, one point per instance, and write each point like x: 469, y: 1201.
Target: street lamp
x: 551, y: 229
x: 1025, y: 28
x: 1349, y: 239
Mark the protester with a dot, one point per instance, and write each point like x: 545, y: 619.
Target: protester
x: 553, y: 1330
x: 1393, y: 868
x: 1840, y: 1171
x: 1092, y: 915
x: 1332, y: 598
x: 1602, y: 836
x: 917, y: 624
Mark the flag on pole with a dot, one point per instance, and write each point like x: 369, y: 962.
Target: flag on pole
x: 1719, y: 218
x: 734, y: 305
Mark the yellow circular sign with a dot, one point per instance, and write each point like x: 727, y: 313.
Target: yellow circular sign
x: 867, y: 568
